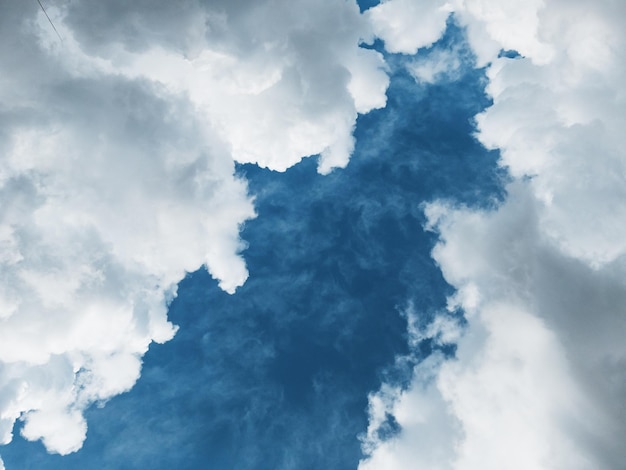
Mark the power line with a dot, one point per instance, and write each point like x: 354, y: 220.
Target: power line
x: 51, y: 23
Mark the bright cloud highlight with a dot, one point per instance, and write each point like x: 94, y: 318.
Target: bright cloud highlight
x: 538, y: 378
x: 118, y: 147
x: 117, y: 173
x: 277, y: 82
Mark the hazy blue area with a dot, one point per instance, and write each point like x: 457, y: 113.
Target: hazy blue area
x: 276, y: 376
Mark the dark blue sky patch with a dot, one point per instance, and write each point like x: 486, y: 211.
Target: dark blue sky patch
x: 277, y: 375
x: 389, y: 428
x: 510, y: 54
x: 367, y: 4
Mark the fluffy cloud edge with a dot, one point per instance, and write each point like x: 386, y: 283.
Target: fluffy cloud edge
x: 118, y: 171
x: 538, y: 377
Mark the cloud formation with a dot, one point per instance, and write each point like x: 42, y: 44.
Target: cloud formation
x: 117, y: 173
x: 278, y: 82
x: 111, y: 190
x: 538, y: 379
x: 279, y: 372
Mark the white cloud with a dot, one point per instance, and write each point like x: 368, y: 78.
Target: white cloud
x: 279, y: 83
x: 539, y: 377
x: 117, y: 172
x: 428, y: 430
x: 439, y: 64
x: 111, y: 191
x: 407, y: 25
x: 509, y: 25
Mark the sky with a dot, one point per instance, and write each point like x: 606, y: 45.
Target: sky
x: 312, y: 234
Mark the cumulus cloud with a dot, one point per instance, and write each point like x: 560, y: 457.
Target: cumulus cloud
x: 426, y: 426
x: 117, y: 173
x: 111, y: 190
x: 278, y: 82
x: 538, y: 379
x: 407, y: 25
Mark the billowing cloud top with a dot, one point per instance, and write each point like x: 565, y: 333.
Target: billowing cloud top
x: 118, y: 145
x: 279, y: 81
x: 538, y: 379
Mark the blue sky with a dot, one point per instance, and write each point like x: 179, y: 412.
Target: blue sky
x: 277, y: 375
x: 304, y: 236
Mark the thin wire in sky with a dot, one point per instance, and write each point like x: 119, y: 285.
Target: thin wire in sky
x: 51, y: 23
